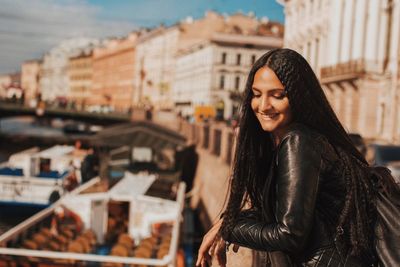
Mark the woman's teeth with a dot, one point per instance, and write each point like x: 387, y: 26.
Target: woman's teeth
x: 269, y: 116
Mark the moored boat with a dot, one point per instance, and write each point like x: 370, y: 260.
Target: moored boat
x: 32, y: 179
x: 103, y: 223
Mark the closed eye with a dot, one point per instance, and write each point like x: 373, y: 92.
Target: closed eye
x: 279, y: 95
x: 256, y: 93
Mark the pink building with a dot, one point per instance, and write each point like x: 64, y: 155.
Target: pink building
x: 30, y: 71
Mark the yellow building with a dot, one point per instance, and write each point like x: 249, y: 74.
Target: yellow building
x: 80, y: 72
x: 113, y: 74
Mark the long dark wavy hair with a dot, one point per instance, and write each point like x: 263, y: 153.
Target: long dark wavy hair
x: 309, y: 106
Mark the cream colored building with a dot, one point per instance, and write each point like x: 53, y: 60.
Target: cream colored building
x: 214, y: 73
x: 157, y: 49
x: 80, y: 72
x: 30, y: 71
x: 54, y: 79
x: 353, y: 45
x: 154, y: 66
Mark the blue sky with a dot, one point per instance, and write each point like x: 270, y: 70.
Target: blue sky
x: 154, y: 12
x: 30, y: 28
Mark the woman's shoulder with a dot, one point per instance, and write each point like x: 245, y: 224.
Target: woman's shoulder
x: 303, y: 133
x: 300, y: 137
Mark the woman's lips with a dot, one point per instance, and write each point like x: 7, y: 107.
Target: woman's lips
x: 269, y: 116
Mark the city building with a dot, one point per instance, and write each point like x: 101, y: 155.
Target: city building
x: 113, y: 74
x: 54, y: 79
x: 30, y: 81
x: 154, y: 66
x: 5, y: 81
x: 214, y: 73
x: 10, y: 88
x: 157, y: 52
x: 353, y: 45
x: 80, y: 72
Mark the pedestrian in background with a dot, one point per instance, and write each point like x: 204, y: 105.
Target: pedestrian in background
x: 301, y: 193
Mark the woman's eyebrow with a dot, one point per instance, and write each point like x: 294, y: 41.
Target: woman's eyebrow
x: 276, y: 89
x: 270, y: 90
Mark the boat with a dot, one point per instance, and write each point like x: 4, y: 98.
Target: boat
x: 120, y: 223
x: 130, y: 217
x: 33, y: 179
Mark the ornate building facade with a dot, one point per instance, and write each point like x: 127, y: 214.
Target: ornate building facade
x: 353, y: 45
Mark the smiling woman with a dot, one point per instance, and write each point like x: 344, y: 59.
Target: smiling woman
x: 269, y: 103
x: 301, y: 193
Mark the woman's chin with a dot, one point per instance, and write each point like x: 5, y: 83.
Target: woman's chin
x: 268, y: 127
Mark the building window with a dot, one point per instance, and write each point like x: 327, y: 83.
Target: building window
x: 223, y: 59
x: 316, y: 65
x: 237, y: 83
x: 253, y: 59
x: 381, y: 118
x: 238, y: 58
x: 222, y: 82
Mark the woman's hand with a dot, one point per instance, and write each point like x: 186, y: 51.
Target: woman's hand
x: 212, y: 244
x: 218, y: 249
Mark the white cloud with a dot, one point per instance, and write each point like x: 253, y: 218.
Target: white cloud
x: 30, y: 28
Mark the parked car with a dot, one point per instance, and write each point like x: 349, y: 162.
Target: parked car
x: 388, y: 156
x: 358, y: 141
x: 78, y: 127
x: 100, y: 109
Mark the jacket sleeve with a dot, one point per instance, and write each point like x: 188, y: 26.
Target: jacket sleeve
x: 299, y: 161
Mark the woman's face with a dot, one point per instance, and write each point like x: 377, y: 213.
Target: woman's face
x: 270, y: 103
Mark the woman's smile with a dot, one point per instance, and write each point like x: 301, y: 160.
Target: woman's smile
x: 268, y: 117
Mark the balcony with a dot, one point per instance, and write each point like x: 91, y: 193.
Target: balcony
x: 350, y: 70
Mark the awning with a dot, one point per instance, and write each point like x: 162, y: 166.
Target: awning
x: 139, y: 134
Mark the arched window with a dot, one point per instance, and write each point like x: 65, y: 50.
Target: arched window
x: 223, y: 58
x: 237, y: 82
x: 222, y: 81
x: 238, y: 59
x: 253, y: 59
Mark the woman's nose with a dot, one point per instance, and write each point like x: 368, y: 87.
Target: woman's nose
x: 265, y: 104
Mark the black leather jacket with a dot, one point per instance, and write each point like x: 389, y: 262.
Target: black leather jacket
x: 309, y: 192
